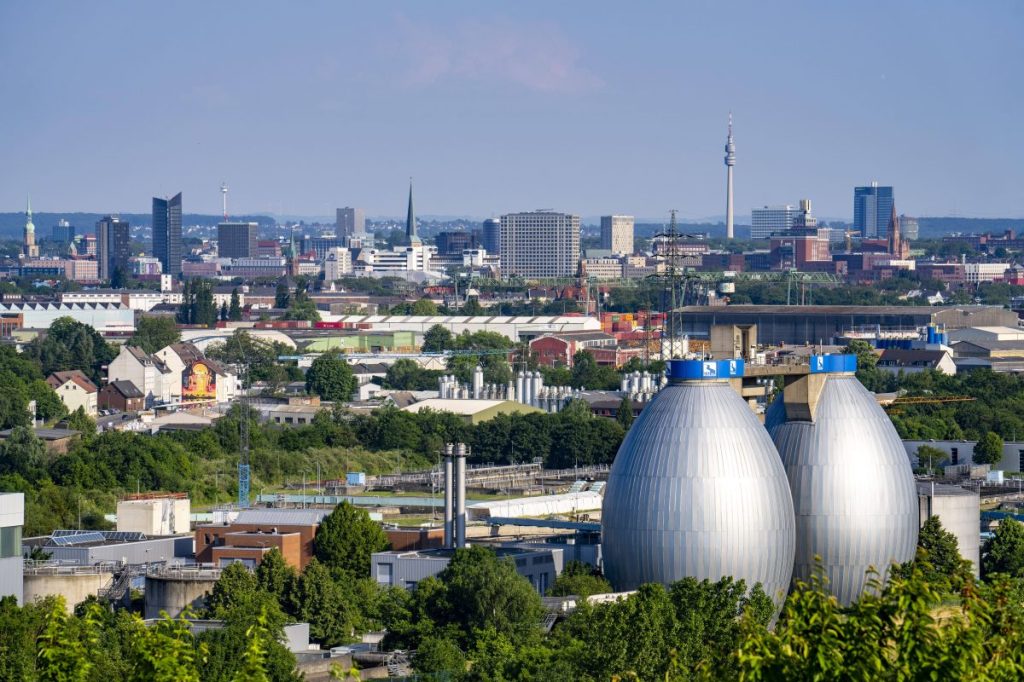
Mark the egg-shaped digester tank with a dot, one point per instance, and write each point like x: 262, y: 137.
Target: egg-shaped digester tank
x: 853, y: 489
x: 697, y: 489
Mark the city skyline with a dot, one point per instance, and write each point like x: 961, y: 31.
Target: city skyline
x: 552, y: 92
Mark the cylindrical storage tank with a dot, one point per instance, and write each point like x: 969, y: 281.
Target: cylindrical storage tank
x: 853, y: 489
x: 172, y: 590
x: 520, y: 390
x: 478, y: 382
x: 959, y: 512
x: 698, y: 490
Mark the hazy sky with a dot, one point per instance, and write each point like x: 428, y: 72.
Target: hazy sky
x: 589, y: 107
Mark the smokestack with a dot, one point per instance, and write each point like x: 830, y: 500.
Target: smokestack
x: 448, y: 490
x: 460, y: 501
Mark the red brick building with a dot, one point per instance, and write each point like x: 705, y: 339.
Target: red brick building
x: 254, y: 532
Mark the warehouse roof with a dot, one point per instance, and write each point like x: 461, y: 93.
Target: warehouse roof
x: 925, y: 310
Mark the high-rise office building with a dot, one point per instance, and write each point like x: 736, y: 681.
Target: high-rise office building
x: 112, y: 246
x: 617, y: 233
x: 237, y: 240
x: 455, y: 242
x: 764, y: 222
x: 540, y: 244
x: 349, y: 221
x: 63, y: 232
x: 167, y: 233
x: 871, y: 208
x: 911, y: 230
x: 491, y: 240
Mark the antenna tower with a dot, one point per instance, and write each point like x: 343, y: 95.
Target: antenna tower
x: 672, y: 277
x: 224, y: 198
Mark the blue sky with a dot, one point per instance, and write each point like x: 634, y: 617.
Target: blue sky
x: 589, y: 107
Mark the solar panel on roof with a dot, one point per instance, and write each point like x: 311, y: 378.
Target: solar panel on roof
x: 123, y: 536
x: 81, y: 538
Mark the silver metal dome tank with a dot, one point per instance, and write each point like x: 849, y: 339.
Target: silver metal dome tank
x: 853, y: 489
x: 697, y: 489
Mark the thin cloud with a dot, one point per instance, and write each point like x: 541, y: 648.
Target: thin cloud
x: 534, y: 55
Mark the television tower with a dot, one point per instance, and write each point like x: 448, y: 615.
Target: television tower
x: 224, y: 198
x: 730, y: 161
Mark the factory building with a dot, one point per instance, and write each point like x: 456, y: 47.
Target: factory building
x: 537, y: 563
x: 810, y: 324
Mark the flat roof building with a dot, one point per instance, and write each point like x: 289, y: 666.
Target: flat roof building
x: 811, y: 324
x: 540, y: 244
x: 237, y: 240
x: 540, y: 565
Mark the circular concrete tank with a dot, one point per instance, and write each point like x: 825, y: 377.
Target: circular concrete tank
x: 172, y: 590
x: 74, y: 583
x: 959, y: 512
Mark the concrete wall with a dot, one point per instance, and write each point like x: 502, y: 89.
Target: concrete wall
x: 172, y: 593
x: 75, y: 587
x: 142, y: 552
x: 163, y: 516
x: 960, y: 514
x: 12, y: 518
x: 1013, y: 453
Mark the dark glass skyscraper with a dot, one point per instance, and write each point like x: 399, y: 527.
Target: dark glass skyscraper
x: 492, y: 236
x: 112, y: 246
x: 871, y: 208
x: 167, y: 233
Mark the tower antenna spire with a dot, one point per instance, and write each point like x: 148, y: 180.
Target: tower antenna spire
x: 730, y: 161
x: 224, y: 198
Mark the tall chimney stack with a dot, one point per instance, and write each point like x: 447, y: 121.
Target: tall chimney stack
x: 460, y: 500
x: 448, y: 496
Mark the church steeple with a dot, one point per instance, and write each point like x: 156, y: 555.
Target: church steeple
x: 29, y: 247
x: 897, y: 248
x: 411, y: 238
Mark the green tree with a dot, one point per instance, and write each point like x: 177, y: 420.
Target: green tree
x: 988, y: 450
x: 406, y: 375
x: 938, y: 558
x: 472, y: 307
x: 275, y: 576
x: 223, y: 316
x: 581, y: 580
x: 69, y: 344
x: 235, y: 309
x: 439, y: 655
x: 23, y: 453
x: 437, y: 339
x: 282, y: 297
x: 49, y: 406
x: 80, y: 421
x: 482, y: 593
x: 237, y: 586
x: 1004, y: 553
x: 929, y: 457
x: 346, y: 539
x: 322, y: 602
x: 625, y: 413
x: 154, y: 333
x: 586, y: 373
x: 424, y: 307
x: 331, y: 378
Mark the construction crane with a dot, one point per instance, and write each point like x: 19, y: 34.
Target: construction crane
x: 893, y: 406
